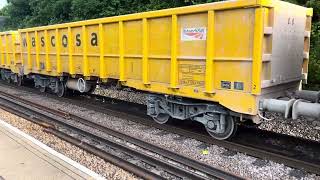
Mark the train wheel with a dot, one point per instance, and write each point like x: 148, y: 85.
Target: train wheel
x: 161, y: 118
x: 19, y: 80
x: 229, y: 131
x: 42, y: 89
x: 8, y: 80
x: 61, y: 90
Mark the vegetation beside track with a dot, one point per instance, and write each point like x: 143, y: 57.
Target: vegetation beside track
x: 30, y: 13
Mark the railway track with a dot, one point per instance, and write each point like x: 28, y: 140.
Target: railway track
x: 141, y: 158
x: 294, y: 152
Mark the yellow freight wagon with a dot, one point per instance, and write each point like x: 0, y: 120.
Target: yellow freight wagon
x: 10, y: 55
x: 222, y: 58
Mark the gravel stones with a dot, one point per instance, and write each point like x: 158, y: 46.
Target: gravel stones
x: 125, y: 94
x: 90, y: 161
x: 301, y: 127
x: 238, y: 163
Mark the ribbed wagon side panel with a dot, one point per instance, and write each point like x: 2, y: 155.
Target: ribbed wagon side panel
x: 2, y: 53
x: 10, y: 40
x: 16, y: 60
x: 110, y: 50
x: 10, y: 51
x: 51, y: 51
x: 32, y: 44
x: 219, y: 52
x: 24, y: 51
x: 63, y: 57
x: 202, y: 52
x: 5, y: 61
x: 93, y: 50
x: 206, y: 55
x: 76, y: 51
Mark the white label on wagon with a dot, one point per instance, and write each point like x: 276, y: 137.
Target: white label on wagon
x: 194, y: 34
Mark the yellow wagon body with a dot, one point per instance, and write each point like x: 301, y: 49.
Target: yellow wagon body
x: 10, y: 52
x: 226, y: 52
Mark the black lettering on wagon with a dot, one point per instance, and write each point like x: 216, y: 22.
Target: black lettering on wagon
x: 24, y: 42
x: 189, y: 75
x: 65, y: 40
x: 33, y: 42
x: 53, y: 44
x: 78, y: 40
x: 42, y: 41
x: 94, y: 39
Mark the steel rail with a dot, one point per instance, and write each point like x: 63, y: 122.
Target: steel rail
x: 191, y: 163
x: 141, y: 172
x: 108, y: 157
x: 124, y: 110
x: 236, y: 145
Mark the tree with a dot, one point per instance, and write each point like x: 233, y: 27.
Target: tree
x: 17, y: 11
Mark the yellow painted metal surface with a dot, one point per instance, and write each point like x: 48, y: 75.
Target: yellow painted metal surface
x: 215, y: 51
x: 10, y: 51
x: 258, y: 50
x: 209, y: 87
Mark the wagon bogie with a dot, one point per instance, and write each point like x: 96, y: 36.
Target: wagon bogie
x: 217, y: 120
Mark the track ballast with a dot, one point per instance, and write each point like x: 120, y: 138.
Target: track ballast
x: 72, y: 129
